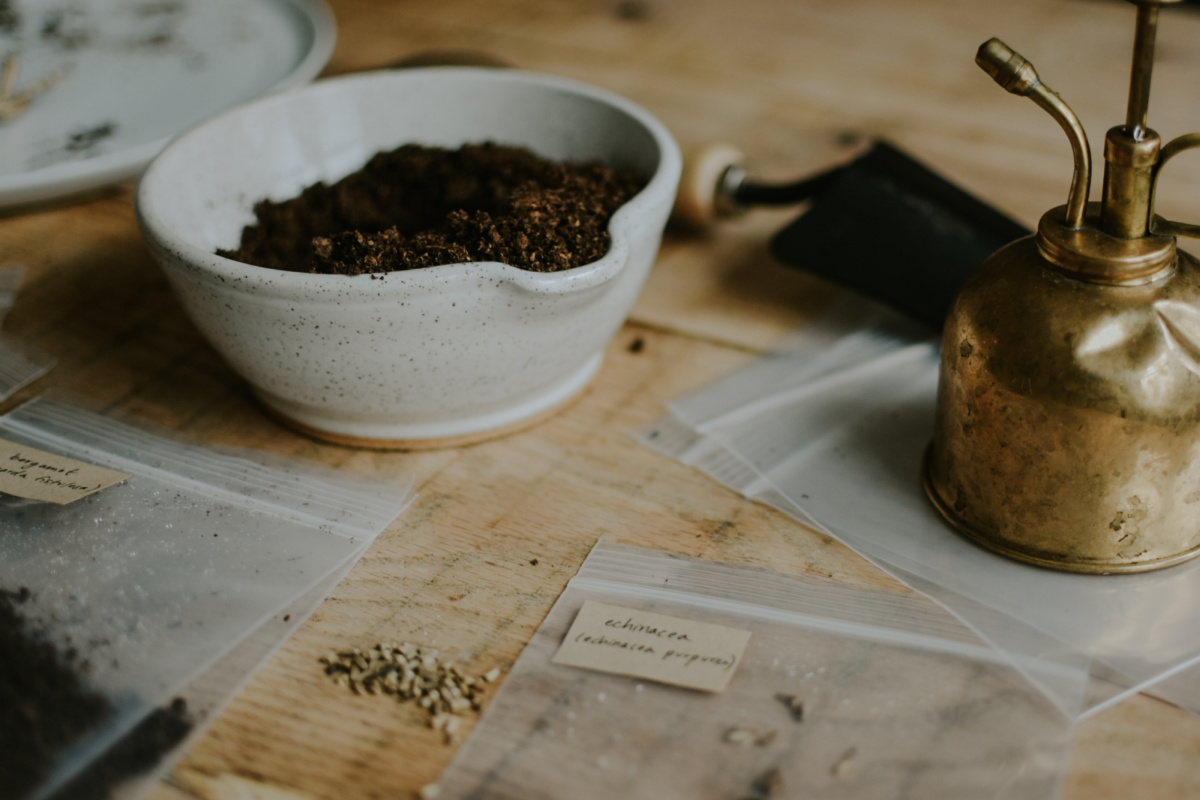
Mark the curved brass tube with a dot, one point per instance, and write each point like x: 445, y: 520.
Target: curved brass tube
x: 1177, y: 146
x: 1016, y: 75
x: 1165, y: 227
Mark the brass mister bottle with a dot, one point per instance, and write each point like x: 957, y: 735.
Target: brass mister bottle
x: 1068, y: 410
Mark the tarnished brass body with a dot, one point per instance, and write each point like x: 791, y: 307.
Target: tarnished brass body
x: 1068, y: 422
x: 1068, y: 414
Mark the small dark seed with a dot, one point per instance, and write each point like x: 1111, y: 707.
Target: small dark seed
x: 769, y: 784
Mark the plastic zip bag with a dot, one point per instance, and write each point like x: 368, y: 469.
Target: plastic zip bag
x: 11, y: 276
x: 837, y: 442
x: 841, y: 692
x: 183, y: 578
x: 20, y: 363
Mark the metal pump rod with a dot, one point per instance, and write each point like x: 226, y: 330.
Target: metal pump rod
x: 1133, y: 153
x: 1139, y: 77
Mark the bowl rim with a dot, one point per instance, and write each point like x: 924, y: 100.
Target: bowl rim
x: 664, y: 180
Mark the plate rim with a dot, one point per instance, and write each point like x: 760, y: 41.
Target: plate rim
x: 61, y: 181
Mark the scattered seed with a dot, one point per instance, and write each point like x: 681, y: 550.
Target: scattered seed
x: 746, y: 736
x: 793, y: 704
x: 631, y: 10
x: 14, y: 102
x: 739, y: 734
x: 769, y: 784
x: 845, y: 763
x: 451, y: 728
x: 411, y: 673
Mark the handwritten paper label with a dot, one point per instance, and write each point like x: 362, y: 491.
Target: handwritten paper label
x: 656, y: 647
x: 37, y: 475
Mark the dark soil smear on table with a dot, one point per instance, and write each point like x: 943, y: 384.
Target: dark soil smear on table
x: 422, y: 206
x: 46, y: 706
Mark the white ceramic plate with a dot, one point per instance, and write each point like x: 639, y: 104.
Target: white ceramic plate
x: 137, y: 72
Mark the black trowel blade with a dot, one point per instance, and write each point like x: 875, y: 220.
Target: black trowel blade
x: 892, y: 229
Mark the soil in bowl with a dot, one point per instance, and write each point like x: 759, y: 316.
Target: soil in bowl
x: 419, y: 206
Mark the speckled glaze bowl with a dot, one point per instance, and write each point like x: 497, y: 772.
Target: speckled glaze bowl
x: 421, y: 358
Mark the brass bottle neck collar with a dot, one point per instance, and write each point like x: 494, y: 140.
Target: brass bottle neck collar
x: 1089, y: 254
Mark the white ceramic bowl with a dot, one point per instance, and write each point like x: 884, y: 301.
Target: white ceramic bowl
x: 422, y: 357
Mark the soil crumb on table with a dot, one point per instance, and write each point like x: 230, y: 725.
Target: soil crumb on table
x: 420, y: 206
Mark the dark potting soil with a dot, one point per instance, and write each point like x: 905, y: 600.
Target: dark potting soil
x: 10, y: 18
x: 420, y: 206
x: 46, y: 706
x: 136, y: 752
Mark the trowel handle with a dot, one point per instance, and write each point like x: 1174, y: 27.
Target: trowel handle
x: 715, y: 184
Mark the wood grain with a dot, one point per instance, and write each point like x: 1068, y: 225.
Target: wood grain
x: 797, y: 85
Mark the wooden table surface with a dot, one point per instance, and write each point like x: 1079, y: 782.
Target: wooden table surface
x: 795, y: 84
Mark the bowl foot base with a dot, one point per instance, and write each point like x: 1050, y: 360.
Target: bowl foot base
x: 448, y: 433
x: 437, y: 443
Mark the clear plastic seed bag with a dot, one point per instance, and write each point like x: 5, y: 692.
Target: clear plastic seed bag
x: 832, y: 428
x: 175, y: 583
x: 20, y: 362
x: 11, y: 276
x: 841, y: 692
